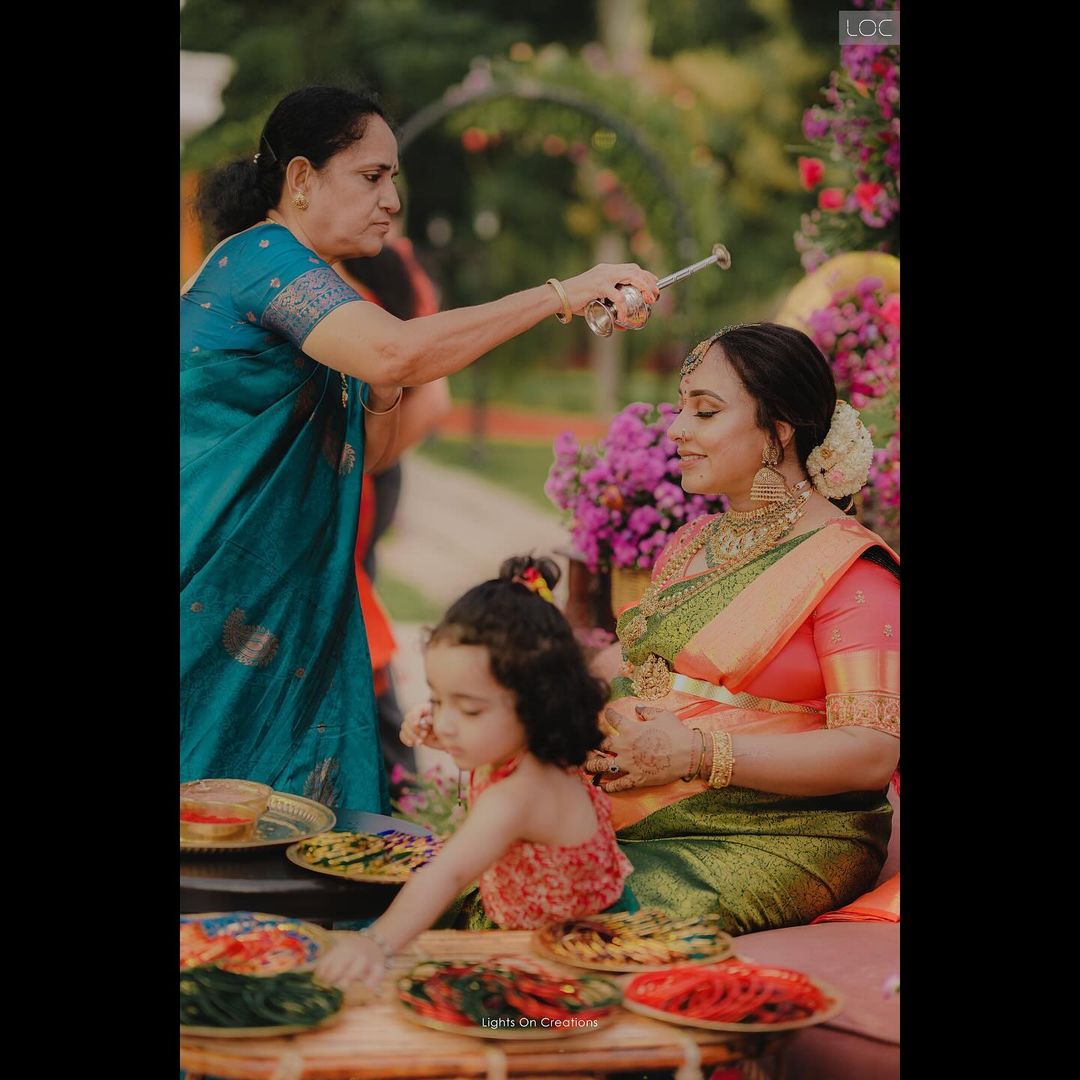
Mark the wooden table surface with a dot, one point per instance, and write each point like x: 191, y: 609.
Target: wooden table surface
x: 374, y: 1040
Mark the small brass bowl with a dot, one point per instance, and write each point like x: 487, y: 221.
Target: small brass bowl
x: 238, y: 826
x: 241, y: 802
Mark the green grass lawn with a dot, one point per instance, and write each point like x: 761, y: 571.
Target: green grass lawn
x: 405, y: 603
x: 519, y: 467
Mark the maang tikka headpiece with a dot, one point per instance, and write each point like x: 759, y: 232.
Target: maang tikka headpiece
x: 697, y: 353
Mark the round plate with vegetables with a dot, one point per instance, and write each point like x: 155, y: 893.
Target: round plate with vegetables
x: 223, y: 1004
x: 249, y: 943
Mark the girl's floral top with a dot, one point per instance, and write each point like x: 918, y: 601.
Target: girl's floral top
x: 534, y: 884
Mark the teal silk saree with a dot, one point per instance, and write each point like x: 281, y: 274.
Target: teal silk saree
x: 275, y: 675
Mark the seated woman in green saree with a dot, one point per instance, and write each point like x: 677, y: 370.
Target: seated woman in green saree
x: 289, y: 383
x: 755, y: 722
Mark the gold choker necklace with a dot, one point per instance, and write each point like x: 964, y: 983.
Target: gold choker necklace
x: 739, y: 536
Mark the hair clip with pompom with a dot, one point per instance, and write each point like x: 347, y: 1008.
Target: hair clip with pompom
x: 534, y: 581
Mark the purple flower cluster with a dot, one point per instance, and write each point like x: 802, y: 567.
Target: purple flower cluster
x: 624, y: 497
x: 859, y: 334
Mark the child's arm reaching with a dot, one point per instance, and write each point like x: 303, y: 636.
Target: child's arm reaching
x: 493, y: 824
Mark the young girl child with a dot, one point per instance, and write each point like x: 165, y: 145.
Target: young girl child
x: 513, y: 701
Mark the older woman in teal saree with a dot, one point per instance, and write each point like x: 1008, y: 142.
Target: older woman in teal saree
x: 289, y: 383
x: 275, y: 673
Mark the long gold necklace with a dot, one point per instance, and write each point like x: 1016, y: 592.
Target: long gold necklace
x: 731, y: 541
x: 650, y: 604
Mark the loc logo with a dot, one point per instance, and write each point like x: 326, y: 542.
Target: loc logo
x: 869, y: 27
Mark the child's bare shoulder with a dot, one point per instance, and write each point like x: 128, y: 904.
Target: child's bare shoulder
x: 506, y: 795
x: 549, y: 783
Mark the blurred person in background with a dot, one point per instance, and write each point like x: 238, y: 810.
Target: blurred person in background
x: 394, y: 280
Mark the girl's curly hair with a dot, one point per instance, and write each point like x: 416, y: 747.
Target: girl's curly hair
x: 535, y: 656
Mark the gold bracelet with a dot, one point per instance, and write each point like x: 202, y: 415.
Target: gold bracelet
x: 723, y: 760
x: 694, y: 769
x: 566, y: 314
x: 400, y: 395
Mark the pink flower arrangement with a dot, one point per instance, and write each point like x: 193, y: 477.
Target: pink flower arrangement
x: 859, y: 333
x: 623, y: 497
x: 861, y: 128
x: 881, y: 501
x: 811, y: 172
x: 831, y: 198
x: 431, y: 800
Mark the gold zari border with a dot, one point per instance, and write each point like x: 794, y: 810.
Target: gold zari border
x: 878, y: 711
x: 862, y: 670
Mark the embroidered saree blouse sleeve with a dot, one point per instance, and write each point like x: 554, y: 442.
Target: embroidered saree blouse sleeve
x: 857, y: 637
x: 285, y: 286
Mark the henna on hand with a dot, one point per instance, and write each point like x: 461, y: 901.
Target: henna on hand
x: 651, y: 754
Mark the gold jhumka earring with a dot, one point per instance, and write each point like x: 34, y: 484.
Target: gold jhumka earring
x: 769, y: 485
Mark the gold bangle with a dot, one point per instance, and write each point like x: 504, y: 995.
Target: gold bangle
x: 400, y: 395
x: 694, y: 769
x: 701, y: 760
x: 566, y: 314
x: 723, y: 760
